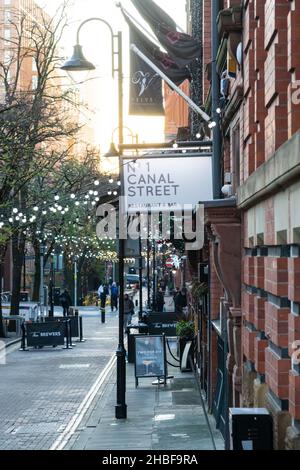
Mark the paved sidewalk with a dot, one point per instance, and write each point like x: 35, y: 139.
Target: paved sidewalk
x: 159, y: 418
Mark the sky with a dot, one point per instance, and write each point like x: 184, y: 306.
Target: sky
x: 100, y: 91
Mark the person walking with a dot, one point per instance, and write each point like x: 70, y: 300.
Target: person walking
x: 114, y: 294
x: 66, y: 301
x: 128, y: 311
x: 181, y: 301
x: 160, y: 300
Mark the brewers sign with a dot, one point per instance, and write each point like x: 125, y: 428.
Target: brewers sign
x: 167, y: 183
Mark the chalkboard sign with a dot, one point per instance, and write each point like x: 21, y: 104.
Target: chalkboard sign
x: 150, y: 356
x: 45, y: 334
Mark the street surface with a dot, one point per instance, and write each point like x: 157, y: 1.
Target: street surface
x: 42, y: 389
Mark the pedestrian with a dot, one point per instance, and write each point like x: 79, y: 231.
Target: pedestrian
x: 181, y: 301
x: 102, y: 294
x: 160, y: 300
x: 114, y: 294
x: 66, y: 301
x: 128, y: 311
x: 175, y: 292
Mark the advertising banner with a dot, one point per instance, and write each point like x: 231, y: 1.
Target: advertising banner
x: 45, y: 334
x: 150, y: 356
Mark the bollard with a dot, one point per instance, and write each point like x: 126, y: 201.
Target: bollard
x: 70, y: 332
x: 81, y: 340
x: 102, y: 315
x: 23, y: 344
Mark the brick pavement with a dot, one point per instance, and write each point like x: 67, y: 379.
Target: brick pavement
x: 41, y: 389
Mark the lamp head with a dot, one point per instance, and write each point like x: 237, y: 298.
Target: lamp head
x: 113, y: 152
x: 77, y: 62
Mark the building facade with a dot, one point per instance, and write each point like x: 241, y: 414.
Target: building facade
x: 250, y: 329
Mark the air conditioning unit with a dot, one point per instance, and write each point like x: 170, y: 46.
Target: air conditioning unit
x: 250, y: 429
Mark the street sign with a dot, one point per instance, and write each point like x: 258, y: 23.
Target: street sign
x: 169, y: 263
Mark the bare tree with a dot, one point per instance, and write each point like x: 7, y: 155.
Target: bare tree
x: 36, y: 124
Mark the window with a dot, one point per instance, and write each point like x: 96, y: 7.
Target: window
x: 7, y: 16
x: 34, y: 69
x: 7, y: 34
x: 6, y: 2
x: 34, y: 82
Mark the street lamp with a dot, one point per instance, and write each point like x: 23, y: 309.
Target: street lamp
x: 79, y: 63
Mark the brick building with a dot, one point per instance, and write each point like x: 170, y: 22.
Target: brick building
x: 249, y: 329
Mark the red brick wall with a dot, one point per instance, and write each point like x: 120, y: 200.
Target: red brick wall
x: 176, y: 111
x: 276, y: 74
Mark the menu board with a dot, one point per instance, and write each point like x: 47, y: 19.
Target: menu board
x: 150, y: 356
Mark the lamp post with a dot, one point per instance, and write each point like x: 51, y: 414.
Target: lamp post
x: 79, y: 63
x: 75, y: 283
x: 42, y: 299
x: 51, y: 287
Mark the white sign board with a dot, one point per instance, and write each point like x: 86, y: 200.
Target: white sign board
x: 164, y: 183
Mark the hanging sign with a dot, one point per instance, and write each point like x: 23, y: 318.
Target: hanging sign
x: 167, y: 183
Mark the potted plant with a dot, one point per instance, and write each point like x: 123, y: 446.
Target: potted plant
x: 185, y: 331
x: 198, y: 290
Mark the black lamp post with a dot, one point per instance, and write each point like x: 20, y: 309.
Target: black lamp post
x: 42, y: 294
x: 79, y: 63
x: 51, y: 288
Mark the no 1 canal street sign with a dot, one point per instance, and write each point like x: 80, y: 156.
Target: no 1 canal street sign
x: 160, y: 183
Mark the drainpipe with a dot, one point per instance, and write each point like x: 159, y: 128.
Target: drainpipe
x: 215, y: 92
